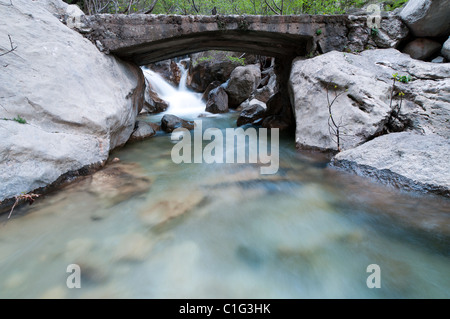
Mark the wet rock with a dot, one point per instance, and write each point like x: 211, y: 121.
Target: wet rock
x: 252, y: 113
x: 210, y: 87
x: 134, y: 247
x: 217, y: 101
x: 243, y: 82
x: 421, y: 49
x: 169, y: 123
x: 168, y: 69
x: 427, y: 18
x: 276, y: 121
x: 208, y: 67
x: 142, y: 131
x: 152, y: 102
x: 446, y: 49
x: 118, y: 182
x: 175, y: 204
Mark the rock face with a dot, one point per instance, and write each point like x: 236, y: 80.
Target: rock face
x: 169, y: 123
x: 243, y: 82
x: 446, y: 49
x: 406, y: 160
x: 421, y: 48
x: 218, y: 101
x: 365, y: 84
x: 427, y: 18
x: 152, y: 102
x: 78, y: 103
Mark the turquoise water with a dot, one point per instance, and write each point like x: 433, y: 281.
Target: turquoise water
x: 162, y: 230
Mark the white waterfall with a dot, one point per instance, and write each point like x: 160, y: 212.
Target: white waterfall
x: 182, y: 101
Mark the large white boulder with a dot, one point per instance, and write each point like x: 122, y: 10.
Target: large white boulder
x: 78, y: 103
x: 365, y: 82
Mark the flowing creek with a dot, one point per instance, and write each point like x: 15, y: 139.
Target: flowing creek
x: 163, y: 230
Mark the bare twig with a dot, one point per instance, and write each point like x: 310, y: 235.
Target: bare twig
x: 12, y: 47
x: 333, y: 128
x: 29, y: 197
x: 152, y: 6
x: 270, y: 7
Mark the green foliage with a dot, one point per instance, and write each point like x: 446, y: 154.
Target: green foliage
x: 17, y: 119
x: 403, y: 78
x: 318, y: 31
x: 20, y: 120
x: 394, y: 5
x: 374, y: 31
x: 224, y: 7
x: 236, y: 60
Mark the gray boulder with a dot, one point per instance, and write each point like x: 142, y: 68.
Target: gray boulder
x: 170, y: 122
x: 218, y: 101
x: 421, y: 48
x: 243, y: 82
x: 446, y: 49
x: 427, y: 18
x: 142, y: 131
x: 78, y: 103
x: 252, y: 113
x: 365, y: 84
x: 406, y: 160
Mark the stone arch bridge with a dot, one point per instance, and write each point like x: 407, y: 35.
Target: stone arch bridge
x: 143, y: 39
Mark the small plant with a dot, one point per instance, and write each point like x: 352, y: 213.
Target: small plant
x: 395, y: 110
x: 403, y: 78
x: 374, y: 31
x: 236, y: 60
x: 17, y: 119
x: 20, y: 120
x: 318, y: 31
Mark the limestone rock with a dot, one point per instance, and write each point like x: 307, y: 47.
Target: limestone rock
x: 406, y: 160
x: 421, y: 48
x: 218, y: 101
x: 365, y: 84
x: 77, y: 102
x: 427, y: 18
x: 243, y: 82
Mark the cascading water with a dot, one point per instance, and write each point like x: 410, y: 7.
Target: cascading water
x: 182, y: 101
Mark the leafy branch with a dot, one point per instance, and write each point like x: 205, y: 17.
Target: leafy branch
x: 395, y: 110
